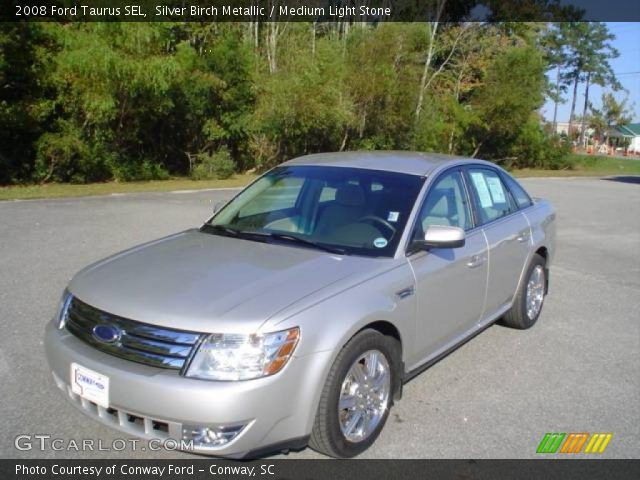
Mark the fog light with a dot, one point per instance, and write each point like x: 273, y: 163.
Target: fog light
x: 211, y: 437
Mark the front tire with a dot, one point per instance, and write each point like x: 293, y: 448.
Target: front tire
x: 357, y: 396
x: 528, y: 301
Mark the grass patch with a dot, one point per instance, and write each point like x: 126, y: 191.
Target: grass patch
x: 583, y: 166
x: 588, y: 166
x: 58, y: 190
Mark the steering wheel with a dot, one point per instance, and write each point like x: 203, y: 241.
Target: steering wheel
x: 379, y: 221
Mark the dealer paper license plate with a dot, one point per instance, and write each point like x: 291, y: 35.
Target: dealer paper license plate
x: 90, y: 385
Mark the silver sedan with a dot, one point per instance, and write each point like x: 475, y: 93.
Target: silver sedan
x: 295, y: 314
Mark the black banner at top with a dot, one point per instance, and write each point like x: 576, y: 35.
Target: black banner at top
x: 371, y: 11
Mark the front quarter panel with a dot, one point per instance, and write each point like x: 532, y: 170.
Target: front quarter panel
x: 326, y: 326
x: 330, y: 322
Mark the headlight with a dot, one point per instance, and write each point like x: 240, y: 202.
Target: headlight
x: 243, y: 357
x: 63, y: 309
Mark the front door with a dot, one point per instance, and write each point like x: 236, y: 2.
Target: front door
x: 450, y: 282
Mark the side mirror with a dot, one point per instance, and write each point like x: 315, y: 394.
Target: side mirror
x: 441, y: 236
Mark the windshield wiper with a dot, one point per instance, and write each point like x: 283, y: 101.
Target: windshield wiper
x: 208, y: 227
x: 296, y: 239
x: 264, y: 235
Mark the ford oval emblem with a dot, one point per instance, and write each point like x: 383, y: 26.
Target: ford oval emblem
x: 106, y: 333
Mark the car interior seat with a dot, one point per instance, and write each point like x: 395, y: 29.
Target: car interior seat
x: 348, y: 206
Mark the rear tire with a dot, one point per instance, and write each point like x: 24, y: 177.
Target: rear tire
x: 357, y: 396
x: 529, y: 299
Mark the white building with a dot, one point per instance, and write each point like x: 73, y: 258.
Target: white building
x: 620, y: 135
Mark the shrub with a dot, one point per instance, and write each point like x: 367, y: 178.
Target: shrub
x: 132, y: 171
x: 217, y: 165
x: 534, y: 148
x: 65, y: 157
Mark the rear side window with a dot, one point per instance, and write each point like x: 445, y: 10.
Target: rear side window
x: 521, y: 197
x: 491, y: 195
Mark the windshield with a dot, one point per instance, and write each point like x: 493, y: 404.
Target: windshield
x: 344, y: 210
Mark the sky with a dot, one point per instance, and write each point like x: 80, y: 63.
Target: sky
x: 626, y: 67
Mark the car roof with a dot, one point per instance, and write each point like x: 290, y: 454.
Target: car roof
x: 414, y: 163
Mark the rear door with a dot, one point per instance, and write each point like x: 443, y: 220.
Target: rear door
x: 507, y: 232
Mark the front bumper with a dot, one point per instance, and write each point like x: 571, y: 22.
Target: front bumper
x: 154, y: 403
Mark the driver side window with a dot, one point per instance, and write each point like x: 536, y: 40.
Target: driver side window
x: 446, y: 204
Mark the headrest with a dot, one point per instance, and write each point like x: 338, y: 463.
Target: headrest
x: 350, y: 195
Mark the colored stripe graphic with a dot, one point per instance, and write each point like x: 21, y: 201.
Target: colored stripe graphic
x: 581, y: 443
x: 598, y: 443
x: 569, y: 443
x: 550, y: 442
x: 573, y: 442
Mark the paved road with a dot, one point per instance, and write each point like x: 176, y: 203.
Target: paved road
x: 576, y: 371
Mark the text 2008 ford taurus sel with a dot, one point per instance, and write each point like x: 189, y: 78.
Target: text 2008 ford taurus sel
x: 295, y: 314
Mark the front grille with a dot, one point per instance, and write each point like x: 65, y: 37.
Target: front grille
x: 138, y: 342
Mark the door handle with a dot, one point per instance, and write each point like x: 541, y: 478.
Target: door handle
x: 405, y: 292
x: 523, y: 237
x: 476, y: 261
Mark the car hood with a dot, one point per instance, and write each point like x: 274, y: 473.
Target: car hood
x: 210, y: 283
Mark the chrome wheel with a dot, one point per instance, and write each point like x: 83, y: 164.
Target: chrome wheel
x: 364, y: 396
x: 535, y: 292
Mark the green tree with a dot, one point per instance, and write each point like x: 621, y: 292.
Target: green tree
x: 25, y: 106
x: 112, y: 82
x: 589, y: 47
x: 612, y: 112
x: 97, y: 101
x: 512, y: 90
x: 301, y: 107
x: 144, y: 98
x: 381, y: 109
x: 554, y: 42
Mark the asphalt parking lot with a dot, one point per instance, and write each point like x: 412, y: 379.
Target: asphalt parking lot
x: 577, y: 370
